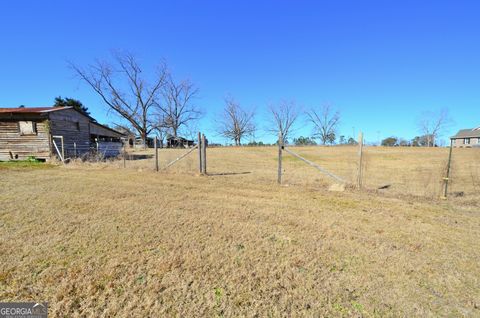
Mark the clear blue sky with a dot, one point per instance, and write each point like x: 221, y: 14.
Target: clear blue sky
x: 381, y: 63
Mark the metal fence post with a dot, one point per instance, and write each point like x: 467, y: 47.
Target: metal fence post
x: 446, y: 179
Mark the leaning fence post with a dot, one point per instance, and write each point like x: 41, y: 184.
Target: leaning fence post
x: 200, y: 165
x: 156, y: 154
x: 446, y: 179
x: 280, y: 147
x: 360, y: 160
x: 204, y: 154
x: 63, y: 148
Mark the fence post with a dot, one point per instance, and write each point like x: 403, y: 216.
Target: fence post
x: 360, y: 160
x: 204, y: 154
x: 124, y: 156
x: 156, y: 153
x: 63, y: 148
x: 280, y: 147
x: 200, y: 165
x: 75, y: 150
x: 446, y: 179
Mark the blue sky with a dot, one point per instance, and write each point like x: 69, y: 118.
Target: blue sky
x: 381, y: 63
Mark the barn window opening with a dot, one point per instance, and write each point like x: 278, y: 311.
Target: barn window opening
x: 27, y: 128
x: 78, y: 125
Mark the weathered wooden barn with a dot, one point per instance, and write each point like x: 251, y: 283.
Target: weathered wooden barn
x: 44, y: 132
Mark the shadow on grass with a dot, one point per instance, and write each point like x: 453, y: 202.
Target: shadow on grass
x: 138, y: 157
x: 228, y: 173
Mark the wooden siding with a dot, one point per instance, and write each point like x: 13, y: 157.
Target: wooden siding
x: 74, y: 127
x: 11, y: 141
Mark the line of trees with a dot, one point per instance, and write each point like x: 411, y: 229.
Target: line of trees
x: 431, y: 126
x: 161, y: 104
x: 418, y: 141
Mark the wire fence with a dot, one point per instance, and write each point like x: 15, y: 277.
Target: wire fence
x: 397, y: 170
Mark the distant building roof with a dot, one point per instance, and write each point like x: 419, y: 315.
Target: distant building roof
x: 467, y: 133
x: 42, y: 111
x: 178, y: 138
x: 32, y: 110
x: 96, y: 128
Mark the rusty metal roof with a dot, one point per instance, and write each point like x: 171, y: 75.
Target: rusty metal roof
x: 32, y: 110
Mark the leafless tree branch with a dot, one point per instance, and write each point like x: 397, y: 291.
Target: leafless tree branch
x: 177, y: 108
x: 235, y: 122
x: 135, y: 104
x: 433, y: 123
x: 325, y: 121
x: 282, y: 118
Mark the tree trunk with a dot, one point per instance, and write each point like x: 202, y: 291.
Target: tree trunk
x: 144, y: 139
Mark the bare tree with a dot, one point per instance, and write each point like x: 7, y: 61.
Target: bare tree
x: 325, y: 121
x: 177, y: 108
x: 236, y: 123
x: 124, y: 90
x: 283, y: 117
x: 160, y: 129
x: 433, y: 123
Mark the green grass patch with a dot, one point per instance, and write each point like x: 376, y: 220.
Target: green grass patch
x: 24, y: 164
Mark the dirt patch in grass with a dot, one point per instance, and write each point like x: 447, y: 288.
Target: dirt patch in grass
x: 97, y: 241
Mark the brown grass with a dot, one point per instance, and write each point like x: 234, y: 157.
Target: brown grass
x: 97, y: 240
x: 408, y: 171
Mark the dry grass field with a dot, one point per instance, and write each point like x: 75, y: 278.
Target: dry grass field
x: 100, y: 240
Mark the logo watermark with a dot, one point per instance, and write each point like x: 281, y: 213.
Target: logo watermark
x: 23, y: 310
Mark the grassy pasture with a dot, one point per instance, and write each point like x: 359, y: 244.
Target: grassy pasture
x: 99, y: 240
x: 408, y: 171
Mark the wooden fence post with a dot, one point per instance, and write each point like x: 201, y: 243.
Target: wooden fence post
x: 156, y: 154
x: 360, y: 160
x: 63, y: 148
x: 280, y: 147
x: 75, y: 150
x: 200, y: 165
x: 124, y: 156
x: 446, y: 179
x: 204, y: 154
